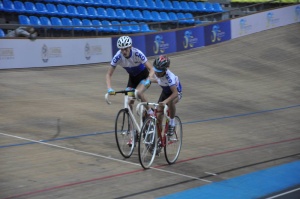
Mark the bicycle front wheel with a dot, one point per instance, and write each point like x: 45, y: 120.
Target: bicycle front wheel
x: 173, y: 143
x: 124, y: 133
x: 147, y: 143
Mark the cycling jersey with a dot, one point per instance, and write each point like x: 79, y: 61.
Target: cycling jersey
x: 168, y: 80
x: 134, y: 65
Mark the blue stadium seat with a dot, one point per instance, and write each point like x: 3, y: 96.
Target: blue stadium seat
x: 134, y: 4
x: 173, y: 16
x: 72, y: 10
x: 97, y: 3
x: 82, y: 11
x: 185, y: 6
x: 2, y: 34
x: 138, y: 15
x: 45, y: 21
x: 101, y: 13
x: 106, y: 3
x: 135, y: 28
x: 62, y: 10
x: 143, y: 4
x: 145, y: 28
x: 34, y: 20
x: 193, y: 6
x: 116, y: 3
x: 156, y: 16
x: 78, y: 23
x: 181, y: 18
x: 51, y: 9
x: 98, y: 25
x: 217, y: 7
x: 168, y: 6
x: 129, y: 15
x: 19, y: 7
x: 151, y: 4
x: 126, y: 27
x: 107, y: 26
x: 116, y: 26
x: 147, y: 16
x: 78, y: 2
x: 92, y: 12
x: 190, y: 18
x: 87, y: 22
x: 30, y: 7
x: 164, y: 16
x: 125, y: 3
x: 66, y: 22
x: 89, y: 2
x: 41, y: 8
x: 121, y: 14
x: 8, y: 6
x: 24, y: 20
x: 177, y: 6
x: 209, y: 7
x: 111, y: 14
x: 55, y: 21
x: 159, y: 5
x: 1, y: 7
x: 201, y: 7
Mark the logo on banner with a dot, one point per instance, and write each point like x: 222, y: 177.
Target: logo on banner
x: 297, y: 13
x: 92, y: 50
x: 244, y: 27
x: 159, y: 45
x: 271, y: 20
x: 216, y: 34
x: 6, y: 53
x: 189, y: 40
x: 53, y: 52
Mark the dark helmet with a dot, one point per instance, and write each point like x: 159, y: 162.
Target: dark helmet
x: 161, y: 63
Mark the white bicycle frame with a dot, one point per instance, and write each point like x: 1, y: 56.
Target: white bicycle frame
x: 139, y: 110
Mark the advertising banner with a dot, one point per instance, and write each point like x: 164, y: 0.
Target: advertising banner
x: 24, y: 53
x: 190, y: 38
x: 137, y: 42
x: 264, y: 21
x: 217, y: 33
x: 161, y: 43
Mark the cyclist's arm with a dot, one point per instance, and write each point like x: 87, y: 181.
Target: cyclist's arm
x: 150, y: 69
x: 109, y: 73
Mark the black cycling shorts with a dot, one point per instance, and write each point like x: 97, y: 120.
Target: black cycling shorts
x: 134, y: 81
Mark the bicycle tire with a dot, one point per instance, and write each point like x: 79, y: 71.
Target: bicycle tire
x: 125, y: 133
x: 174, y: 143
x: 147, y: 143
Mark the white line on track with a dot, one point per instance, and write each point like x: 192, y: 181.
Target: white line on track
x: 282, y: 194
x: 109, y: 158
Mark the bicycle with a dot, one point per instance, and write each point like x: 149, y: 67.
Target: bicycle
x: 151, y: 139
x: 127, y: 127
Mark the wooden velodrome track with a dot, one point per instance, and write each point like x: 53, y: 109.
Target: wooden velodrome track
x: 240, y: 112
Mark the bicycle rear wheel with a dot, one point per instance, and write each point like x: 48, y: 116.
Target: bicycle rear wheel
x: 147, y: 143
x: 173, y: 143
x: 125, y: 133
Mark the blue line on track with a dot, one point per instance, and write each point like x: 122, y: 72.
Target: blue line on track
x: 192, y: 122
x: 254, y: 185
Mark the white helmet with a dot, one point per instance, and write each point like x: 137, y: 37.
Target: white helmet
x: 124, y: 42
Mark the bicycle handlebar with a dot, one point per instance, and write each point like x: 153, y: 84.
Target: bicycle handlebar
x: 122, y: 91
x: 153, y: 104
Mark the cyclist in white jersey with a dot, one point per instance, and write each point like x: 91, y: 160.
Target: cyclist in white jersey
x: 137, y: 66
x: 171, y: 89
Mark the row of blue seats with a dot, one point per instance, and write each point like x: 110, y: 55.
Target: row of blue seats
x: 85, y: 24
x: 136, y: 15
x: 41, y: 8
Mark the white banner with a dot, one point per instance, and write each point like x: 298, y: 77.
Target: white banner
x: 264, y: 21
x: 24, y: 53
